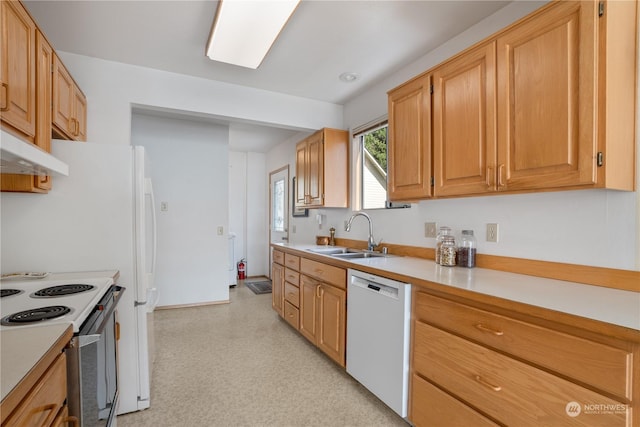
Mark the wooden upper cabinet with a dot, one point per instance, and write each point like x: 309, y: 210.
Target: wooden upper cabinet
x: 315, y: 170
x: 409, y: 141
x: 18, y: 70
x: 548, y: 103
x: 464, y: 134
x: 36, y: 183
x: 325, y: 150
x: 546, y: 99
x: 69, y: 105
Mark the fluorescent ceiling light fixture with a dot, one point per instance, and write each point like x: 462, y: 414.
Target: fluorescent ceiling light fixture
x: 244, y: 30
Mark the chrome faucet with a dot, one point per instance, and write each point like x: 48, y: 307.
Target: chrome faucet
x: 371, y: 243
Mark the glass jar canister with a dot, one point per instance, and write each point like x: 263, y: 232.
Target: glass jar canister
x: 444, y: 231
x: 448, y: 251
x: 467, y: 249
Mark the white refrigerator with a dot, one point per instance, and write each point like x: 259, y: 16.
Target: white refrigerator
x: 102, y: 216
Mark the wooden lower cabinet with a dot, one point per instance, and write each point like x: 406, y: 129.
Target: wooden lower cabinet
x: 40, y: 399
x: 442, y: 406
x: 323, y: 310
x: 486, y: 367
x: 332, y: 314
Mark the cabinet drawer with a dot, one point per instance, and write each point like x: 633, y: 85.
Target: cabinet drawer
x: 278, y: 257
x: 292, y: 277
x: 604, y: 367
x: 292, y: 294
x: 327, y: 273
x: 41, y: 406
x: 291, y: 315
x: 292, y: 261
x: 431, y: 406
x: 510, y: 391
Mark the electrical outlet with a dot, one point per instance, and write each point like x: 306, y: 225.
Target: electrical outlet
x: 164, y: 206
x: 492, y: 233
x: 220, y: 230
x: 430, y: 229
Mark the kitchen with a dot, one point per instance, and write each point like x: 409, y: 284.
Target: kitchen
x: 587, y: 227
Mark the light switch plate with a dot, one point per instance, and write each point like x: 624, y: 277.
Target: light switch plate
x: 430, y: 229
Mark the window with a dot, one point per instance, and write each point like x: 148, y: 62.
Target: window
x: 278, y: 205
x: 373, y: 167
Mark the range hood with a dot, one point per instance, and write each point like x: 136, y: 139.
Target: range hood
x: 18, y: 156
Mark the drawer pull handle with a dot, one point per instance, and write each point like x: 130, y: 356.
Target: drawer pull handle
x: 487, y: 384
x: 483, y: 328
x: 500, y: 181
x: 5, y: 98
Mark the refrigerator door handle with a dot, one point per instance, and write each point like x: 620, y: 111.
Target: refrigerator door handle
x: 149, y: 191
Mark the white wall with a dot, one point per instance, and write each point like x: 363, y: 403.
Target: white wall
x: 189, y: 170
x: 112, y: 89
x: 238, y: 202
x: 257, y: 215
x: 589, y: 227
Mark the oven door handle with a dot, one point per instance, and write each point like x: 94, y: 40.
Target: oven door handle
x: 85, y: 340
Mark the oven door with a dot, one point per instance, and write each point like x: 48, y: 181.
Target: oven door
x: 92, y: 368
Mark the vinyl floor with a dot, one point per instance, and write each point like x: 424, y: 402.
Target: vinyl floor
x: 240, y: 364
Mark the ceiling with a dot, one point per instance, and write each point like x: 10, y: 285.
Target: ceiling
x: 321, y: 40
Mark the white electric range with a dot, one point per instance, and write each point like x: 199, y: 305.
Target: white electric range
x: 55, y: 298
x: 88, y: 301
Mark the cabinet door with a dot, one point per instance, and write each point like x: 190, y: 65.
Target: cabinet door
x: 464, y: 136
x: 308, y: 307
x: 44, y: 58
x: 315, y: 169
x: 546, y: 128
x: 63, y: 99
x: 409, y: 145
x: 79, y: 115
x: 277, y: 288
x: 17, y: 69
x: 332, y: 314
x: 301, y: 181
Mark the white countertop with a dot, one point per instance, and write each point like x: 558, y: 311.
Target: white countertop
x: 613, y: 306
x: 21, y: 349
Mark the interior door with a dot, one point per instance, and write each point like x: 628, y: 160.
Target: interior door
x: 279, y: 206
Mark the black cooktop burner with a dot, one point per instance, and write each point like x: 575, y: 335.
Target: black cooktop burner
x: 62, y: 290
x: 9, y: 292
x: 35, y: 315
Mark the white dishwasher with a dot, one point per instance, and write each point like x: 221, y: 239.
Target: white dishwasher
x: 378, y: 323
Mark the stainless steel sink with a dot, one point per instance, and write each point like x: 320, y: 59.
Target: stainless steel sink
x: 346, y: 253
x: 329, y: 251
x: 352, y: 255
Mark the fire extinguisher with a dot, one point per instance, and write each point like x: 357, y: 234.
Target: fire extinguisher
x: 242, y: 268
